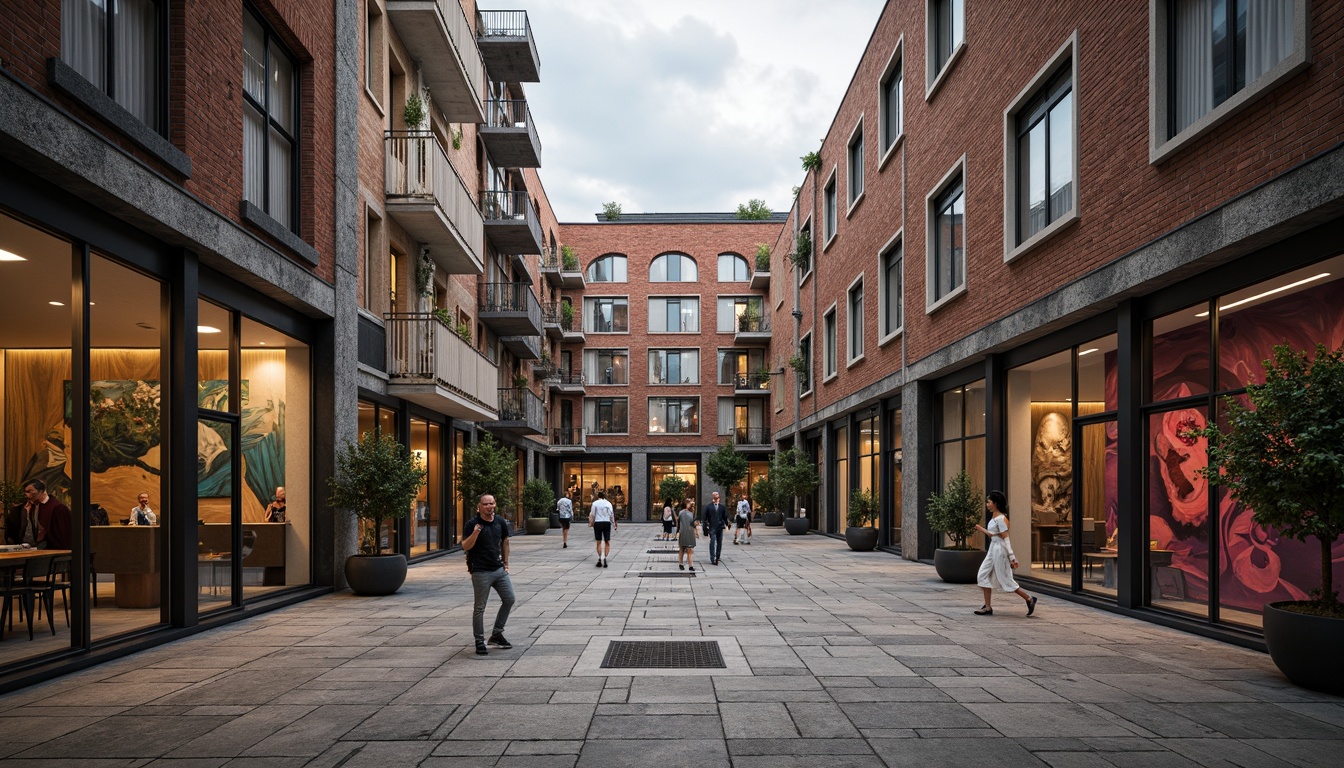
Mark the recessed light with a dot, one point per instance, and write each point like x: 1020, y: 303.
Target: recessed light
x: 262, y: 343
x: 1088, y: 351
x: 206, y: 329
x: 1270, y: 292
x: 10, y: 256
x: 56, y: 303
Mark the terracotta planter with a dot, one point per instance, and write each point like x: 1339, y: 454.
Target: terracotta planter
x: 956, y: 566
x: 375, y: 575
x: 536, y: 525
x: 773, y: 519
x: 861, y: 539
x: 1305, y: 648
x: 796, y: 525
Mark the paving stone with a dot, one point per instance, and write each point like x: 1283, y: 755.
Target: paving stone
x: 656, y: 726
x: 821, y: 721
x: 954, y: 753
x: 542, y: 721
x: 615, y: 753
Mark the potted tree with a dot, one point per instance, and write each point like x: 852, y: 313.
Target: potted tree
x: 566, y: 316
x: 765, y: 501
x: 955, y: 512
x: 1283, y: 457
x: 569, y: 259
x: 538, y: 500
x: 861, y: 535
x: 673, y: 487
x: 794, y: 477
x: 490, y: 467
x: 726, y: 467
x: 375, y: 480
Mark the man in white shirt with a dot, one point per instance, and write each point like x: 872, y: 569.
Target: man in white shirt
x: 602, y: 519
x: 141, y: 514
x: 742, y: 520
x: 565, y: 508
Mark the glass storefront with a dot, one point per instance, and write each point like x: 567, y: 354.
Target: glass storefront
x: 959, y: 438
x: 583, y: 479
x: 686, y: 470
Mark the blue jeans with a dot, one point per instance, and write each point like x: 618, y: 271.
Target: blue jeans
x: 481, y: 582
x: 715, y: 544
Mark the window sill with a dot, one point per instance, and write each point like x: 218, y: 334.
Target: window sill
x: 65, y: 79
x: 853, y: 362
x: 850, y: 211
x: 1011, y: 253
x: 829, y: 377
x: 263, y: 221
x: 890, y: 337
x: 891, y: 151
x: 374, y: 100
x: 826, y: 246
x: 939, y: 304
x: 938, y: 79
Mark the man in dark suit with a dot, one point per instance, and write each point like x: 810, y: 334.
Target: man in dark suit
x: 715, y: 517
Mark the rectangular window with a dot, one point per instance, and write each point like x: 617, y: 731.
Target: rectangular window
x: 606, y: 366
x: 606, y: 415
x: 855, y: 166
x: 805, y: 354
x: 118, y: 47
x: 893, y: 92
x: 744, y: 420
x: 606, y: 315
x: 733, y: 308
x: 829, y: 209
x: 1045, y: 155
x: 674, y: 366
x: 680, y: 314
x: 948, y: 31
x: 828, y: 343
x: 854, y: 321
x: 892, y: 290
x: 738, y: 364
x: 270, y: 124
x: 674, y: 415
x: 947, y: 239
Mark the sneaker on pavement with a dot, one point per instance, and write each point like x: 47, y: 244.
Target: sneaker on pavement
x: 498, y: 639
x: 481, y: 650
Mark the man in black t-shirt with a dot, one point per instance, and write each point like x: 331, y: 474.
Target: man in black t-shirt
x: 486, y: 542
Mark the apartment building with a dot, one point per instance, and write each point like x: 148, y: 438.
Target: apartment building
x: 661, y: 356
x: 1043, y: 268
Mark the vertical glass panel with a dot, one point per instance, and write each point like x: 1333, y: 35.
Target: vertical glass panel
x: 975, y: 461
x: 214, y: 327
x: 893, y: 500
x: 1061, y: 156
x: 84, y: 39
x: 949, y: 462
x: 1034, y: 215
x: 279, y: 201
x: 1291, y: 309
x: 951, y: 408
x: 1038, y: 410
x: 1178, y: 512
x: 254, y: 59
x: 277, y: 495
x: 1098, y: 508
x: 367, y: 418
x: 387, y: 422
x: 418, y: 519
x: 282, y: 89
x: 975, y: 408
x: 128, y: 513
x: 1097, y: 376
x: 1181, y: 354
x: 459, y: 512
x: 216, y: 461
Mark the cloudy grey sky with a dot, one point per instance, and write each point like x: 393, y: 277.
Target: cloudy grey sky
x: 685, y: 105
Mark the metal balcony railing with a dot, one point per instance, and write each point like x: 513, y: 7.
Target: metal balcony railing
x: 751, y: 436
x: 554, y: 259
x: 522, y: 405
x: 752, y: 381
x: 568, y: 378
x: 554, y: 314
x: 421, y: 348
x: 501, y: 204
x: 510, y: 297
x: 753, y: 324
x: 574, y: 437
x: 503, y: 24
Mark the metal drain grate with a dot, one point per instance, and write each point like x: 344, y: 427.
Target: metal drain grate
x: 663, y: 654
x: 663, y: 551
x: 667, y: 574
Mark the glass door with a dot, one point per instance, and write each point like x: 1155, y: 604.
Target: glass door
x: 218, y: 534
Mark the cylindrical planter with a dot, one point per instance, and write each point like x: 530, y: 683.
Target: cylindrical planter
x: 796, y: 525
x: 773, y: 519
x: 375, y: 575
x: 1306, y: 648
x: 861, y: 539
x: 536, y: 525
x: 956, y: 566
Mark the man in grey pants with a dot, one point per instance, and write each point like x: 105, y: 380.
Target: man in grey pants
x: 487, y: 547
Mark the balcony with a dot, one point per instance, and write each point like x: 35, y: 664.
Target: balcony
x: 428, y: 199
x: 751, y: 438
x: 566, y: 383
x: 562, y: 329
x: 438, y: 36
x: 523, y: 347
x: 562, y: 271
x: 430, y: 365
x: 510, y: 135
x: 520, y: 413
x: 752, y: 330
x: 566, y: 439
x: 752, y: 384
x: 510, y: 221
x: 510, y: 309
x: 760, y: 280
x: 507, y: 46
x: 544, y: 368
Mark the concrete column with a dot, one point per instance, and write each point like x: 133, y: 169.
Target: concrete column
x: 917, y: 468
x: 637, y: 498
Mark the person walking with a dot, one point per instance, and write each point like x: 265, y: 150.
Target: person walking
x: 602, y: 519
x: 487, y: 548
x: 742, y: 520
x: 669, y: 520
x: 715, y: 518
x: 996, y: 572
x: 687, y: 533
x: 565, y: 509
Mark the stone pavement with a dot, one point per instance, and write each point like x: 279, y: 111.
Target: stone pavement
x: 850, y: 660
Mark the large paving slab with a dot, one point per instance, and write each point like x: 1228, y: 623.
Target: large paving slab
x: 834, y: 658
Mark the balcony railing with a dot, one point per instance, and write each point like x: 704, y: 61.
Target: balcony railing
x: 506, y: 42
x: 522, y: 410
x: 511, y: 221
x: 438, y: 36
x: 510, y: 134
x: 510, y: 297
x: 567, y: 378
x: 555, y: 315
x: 563, y: 272
x: 504, y: 24
x: 568, y: 437
x: 752, y: 436
x: 753, y: 324
x: 429, y: 200
x: 752, y: 381
x: 421, y: 351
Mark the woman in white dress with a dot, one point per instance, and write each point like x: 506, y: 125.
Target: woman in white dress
x: 996, y: 572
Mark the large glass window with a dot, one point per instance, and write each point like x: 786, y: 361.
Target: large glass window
x: 828, y: 344
x: 118, y: 46
x: 606, y: 315
x: 839, y: 518
x: 733, y: 268
x: 1045, y: 156
x: 805, y: 360
x: 893, y: 290
x: 677, y: 314
x: 744, y: 420
x: 854, y: 166
x: 959, y: 442
x: 732, y: 310
x: 584, y: 479
x: 674, y: 415
x: 948, y: 22
x: 894, y: 442
x: 893, y: 91
x: 660, y: 470
x: 607, y: 269
x: 270, y: 124
x: 829, y: 210
x: 736, y: 365
x: 854, y: 322
x: 673, y: 268
x: 674, y: 366
x: 949, y: 241
x: 427, y: 509
x: 606, y: 366
x: 606, y: 415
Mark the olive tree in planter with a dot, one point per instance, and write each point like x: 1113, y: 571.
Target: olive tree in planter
x: 487, y: 466
x: 538, y: 501
x: 794, y: 477
x: 766, y: 499
x: 955, y: 512
x: 376, y: 480
x: 726, y: 467
x: 673, y: 487
x: 1284, y: 458
x: 861, y: 535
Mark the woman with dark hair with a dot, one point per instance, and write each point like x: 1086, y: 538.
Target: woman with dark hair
x: 996, y: 572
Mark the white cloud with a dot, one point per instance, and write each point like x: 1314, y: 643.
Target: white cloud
x: 687, y: 106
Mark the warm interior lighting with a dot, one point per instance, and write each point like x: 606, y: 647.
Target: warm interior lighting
x: 1088, y: 351
x: 206, y: 329
x: 10, y: 256
x: 1270, y: 292
x: 56, y: 303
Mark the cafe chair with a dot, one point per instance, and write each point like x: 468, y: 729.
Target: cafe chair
x: 39, y: 581
x: 60, y: 575
x: 11, y: 588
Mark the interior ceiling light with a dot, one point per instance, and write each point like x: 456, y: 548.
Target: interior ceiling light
x: 1088, y: 351
x: 206, y: 329
x: 10, y: 256
x: 1270, y: 292
x: 56, y: 303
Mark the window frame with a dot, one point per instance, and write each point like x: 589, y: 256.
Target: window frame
x: 895, y: 66
x: 595, y: 380
x: 1162, y: 143
x: 955, y: 177
x: 830, y: 210
x: 1027, y: 97
x: 805, y: 343
x: 737, y: 258
x: 679, y: 298
x: 854, y: 329
x: 735, y: 298
x: 854, y: 197
x: 830, y: 339
x: 681, y: 267
x: 894, y: 245
x: 614, y: 299
x: 650, y: 414
x: 936, y: 73
x: 588, y: 271
x: 694, y: 353
x: 592, y: 428
x: 811, y: 260
x: 270, y: 36
x: 375, y: 53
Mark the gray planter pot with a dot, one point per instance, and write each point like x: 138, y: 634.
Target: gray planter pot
x: 773, y: 519
x: 1305, y: 648
x: 957, y: 566
x: 375, y: 575
x: 536, y: 525
x: 861, y: 539
x: 796, y: 525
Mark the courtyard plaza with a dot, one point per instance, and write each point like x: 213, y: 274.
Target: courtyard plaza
x: 830, y: 658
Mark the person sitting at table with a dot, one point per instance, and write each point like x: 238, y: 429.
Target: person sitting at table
x: 275, y: 511
x: 141, y: 514
x: 41, y: 522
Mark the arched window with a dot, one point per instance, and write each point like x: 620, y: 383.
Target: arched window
x: 733, y: 268
x: 673, y: 268
x: 607, y: 269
